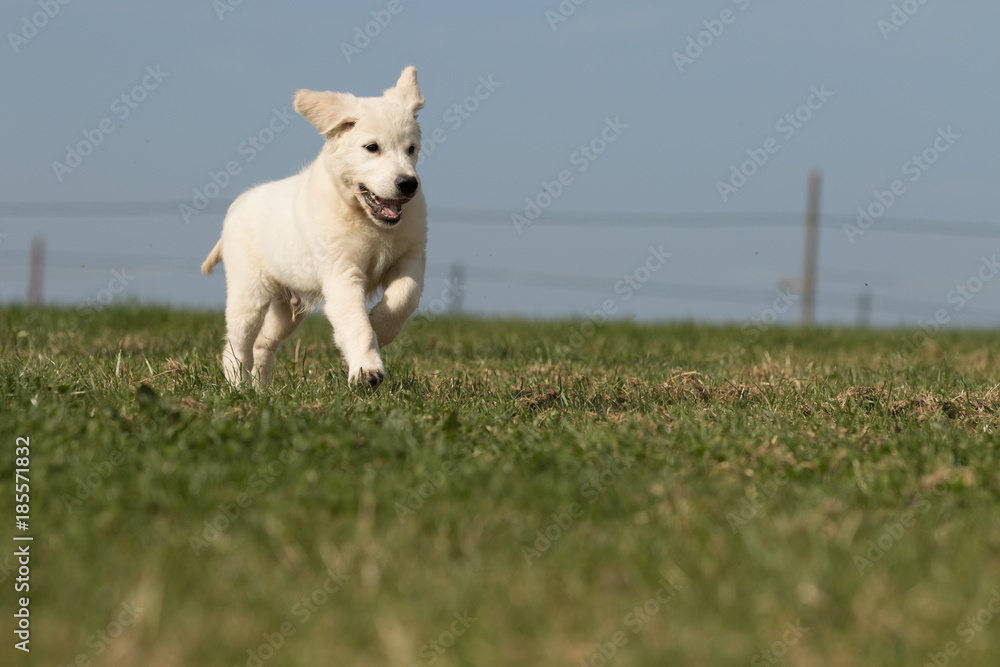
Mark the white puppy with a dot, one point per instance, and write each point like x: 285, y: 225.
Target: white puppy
x: 352, y: 221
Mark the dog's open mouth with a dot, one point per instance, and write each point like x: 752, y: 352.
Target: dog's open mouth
x: 386, y: 210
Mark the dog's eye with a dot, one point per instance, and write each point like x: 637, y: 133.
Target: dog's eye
x: 372, y: 147
x: 411, y: 150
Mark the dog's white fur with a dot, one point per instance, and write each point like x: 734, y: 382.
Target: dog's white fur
x: 318, y: 236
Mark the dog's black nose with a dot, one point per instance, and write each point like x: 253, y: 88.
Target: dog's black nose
x: 406, y: 185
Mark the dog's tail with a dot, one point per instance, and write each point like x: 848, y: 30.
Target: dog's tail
x: 213, y: 258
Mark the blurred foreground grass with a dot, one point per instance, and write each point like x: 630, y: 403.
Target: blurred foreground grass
x: 517, y: 493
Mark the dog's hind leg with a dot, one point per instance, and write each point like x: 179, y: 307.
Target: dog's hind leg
x: 244, y: 318
x: 279, y: 324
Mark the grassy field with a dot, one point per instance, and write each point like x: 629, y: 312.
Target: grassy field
x: 516, y: 494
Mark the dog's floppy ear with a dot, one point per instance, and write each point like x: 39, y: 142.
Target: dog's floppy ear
x: 406, y: 91
x: 329, y: 112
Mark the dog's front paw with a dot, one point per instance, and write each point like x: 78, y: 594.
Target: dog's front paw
x: 373, y: 377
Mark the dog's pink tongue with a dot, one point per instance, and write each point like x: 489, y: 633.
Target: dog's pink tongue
x: 391, y: 211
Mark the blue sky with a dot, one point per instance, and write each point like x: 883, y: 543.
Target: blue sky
x: 201, y: 83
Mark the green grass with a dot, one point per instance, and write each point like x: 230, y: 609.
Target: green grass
x: 752, y: 475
